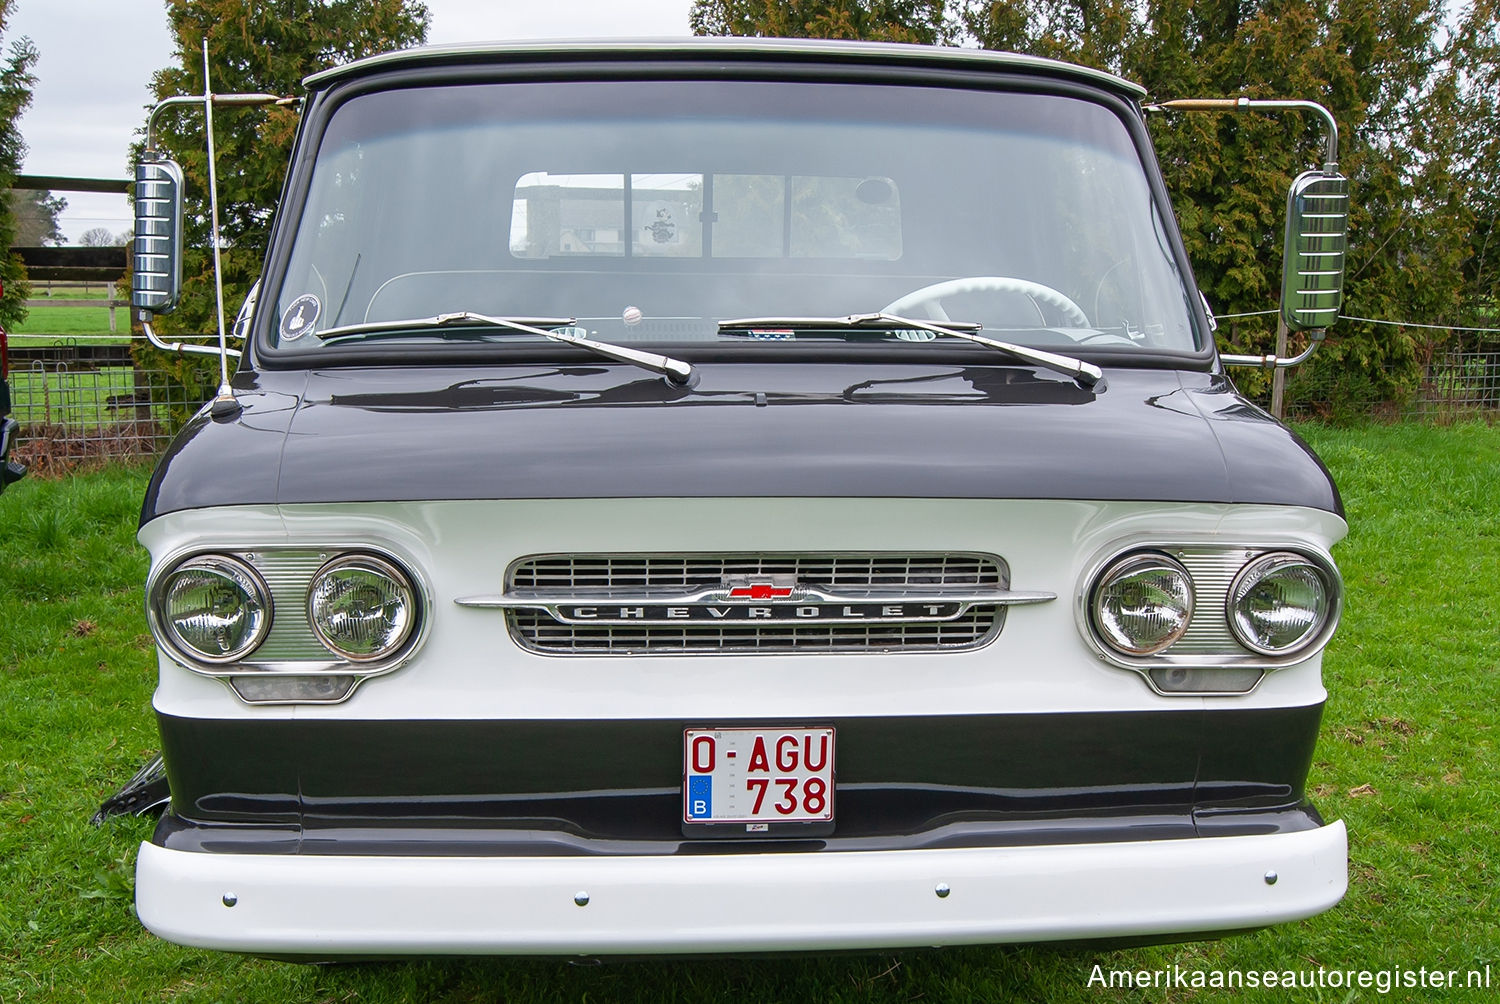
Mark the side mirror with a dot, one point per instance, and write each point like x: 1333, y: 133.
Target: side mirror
x: 1317, y: 234
x: 156, y: 282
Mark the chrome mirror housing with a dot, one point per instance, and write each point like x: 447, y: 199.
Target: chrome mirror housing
x: 1317, y: 235
x: 156, y: 278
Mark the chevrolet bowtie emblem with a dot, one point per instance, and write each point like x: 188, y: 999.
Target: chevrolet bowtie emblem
x: 759, y: 591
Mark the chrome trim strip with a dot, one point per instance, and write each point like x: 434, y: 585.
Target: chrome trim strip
x: 553, y: 602
x: 784, y: 644
x: 288, y: 667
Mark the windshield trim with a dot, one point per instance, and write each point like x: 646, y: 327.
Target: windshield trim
x: 720, y: 48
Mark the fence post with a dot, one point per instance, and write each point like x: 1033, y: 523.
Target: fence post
x: 1278, y: 375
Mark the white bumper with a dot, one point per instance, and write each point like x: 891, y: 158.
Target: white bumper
x: 331, y: 905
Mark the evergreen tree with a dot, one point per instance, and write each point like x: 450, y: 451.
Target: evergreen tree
x: 16, y: 81
x: 36, y: 217
x: 1408, y: 105
x: 253, y: 47
x: 1471, y: 87
x: 919, y: 21
x: 1374, y: 66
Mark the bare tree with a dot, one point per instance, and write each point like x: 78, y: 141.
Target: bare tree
x: 98, y: 237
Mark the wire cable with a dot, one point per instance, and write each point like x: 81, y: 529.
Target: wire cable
x: 1370, y: 320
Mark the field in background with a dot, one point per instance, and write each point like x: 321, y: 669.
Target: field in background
x: 48, y: 322
x: 1407, y: 756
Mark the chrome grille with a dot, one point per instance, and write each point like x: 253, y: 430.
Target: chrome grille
x: 560, y: 575
x: 287, y: 574
x: 1213, y: 571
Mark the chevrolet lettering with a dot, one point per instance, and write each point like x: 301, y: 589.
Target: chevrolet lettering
x: 787, y: 490
x: 799, y: 611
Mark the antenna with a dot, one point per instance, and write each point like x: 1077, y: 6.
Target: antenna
x: 162, y: 227
x: 224, y: 404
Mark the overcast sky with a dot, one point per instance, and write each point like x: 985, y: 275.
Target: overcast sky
x: 97, y: 57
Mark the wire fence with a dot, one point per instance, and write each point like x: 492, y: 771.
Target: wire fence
x: 80, y: 403
x: 1463, y: 382
x: 1459, y: 383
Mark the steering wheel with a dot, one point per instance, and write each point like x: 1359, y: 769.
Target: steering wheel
x: 929, y: 298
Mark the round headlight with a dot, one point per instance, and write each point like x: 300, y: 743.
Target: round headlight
x: 362, y: 608
x: 213, y: 609
x: 1279, y: 603
x: 1143, y: 604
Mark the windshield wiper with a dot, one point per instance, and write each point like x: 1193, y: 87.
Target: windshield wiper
x: 1087, y: 375
x: 674, y: 370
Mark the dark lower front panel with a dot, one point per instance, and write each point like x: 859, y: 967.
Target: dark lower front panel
x: 580, y: 787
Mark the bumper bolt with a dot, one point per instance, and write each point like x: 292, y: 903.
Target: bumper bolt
x: 581, y: 898
x: 942, y: 890
x: 1271, y: 878
x: 230, y: 899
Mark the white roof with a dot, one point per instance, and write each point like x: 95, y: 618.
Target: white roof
x: 769, y: 49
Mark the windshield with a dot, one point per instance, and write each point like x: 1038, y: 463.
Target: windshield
x: 651, y: 210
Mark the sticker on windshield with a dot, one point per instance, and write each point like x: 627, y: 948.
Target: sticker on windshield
x: 300, y: 317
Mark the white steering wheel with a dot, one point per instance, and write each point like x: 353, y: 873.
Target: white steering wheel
x: 929, y: 298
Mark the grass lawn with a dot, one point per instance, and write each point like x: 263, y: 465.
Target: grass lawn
x: 44, y: 323
x: 1408, y: 757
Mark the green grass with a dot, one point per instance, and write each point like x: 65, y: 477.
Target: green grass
x: 49, y: 322
x: 1407, y: 757
x: 45, y: 323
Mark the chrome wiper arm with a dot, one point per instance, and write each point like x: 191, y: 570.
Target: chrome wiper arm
x: 1087, y: 375
x: 674, y: 370
x: 369, y: 330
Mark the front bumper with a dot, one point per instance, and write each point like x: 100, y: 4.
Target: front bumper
x: 349, y: 905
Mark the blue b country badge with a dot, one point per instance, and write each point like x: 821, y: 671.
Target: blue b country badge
x: 700, y: 797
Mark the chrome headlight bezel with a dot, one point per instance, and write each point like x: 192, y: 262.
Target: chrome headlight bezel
x: 1209, y: 654
x: 291, y: 651
x: 1264, y: 566
x: 245, y: 578
x: 406, y: 584
x: 1138, y: 563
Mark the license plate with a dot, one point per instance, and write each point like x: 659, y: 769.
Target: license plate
x: 757, y: 778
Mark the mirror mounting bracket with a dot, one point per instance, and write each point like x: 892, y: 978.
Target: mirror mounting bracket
x: 159, y: 230
x: 1317, y: 219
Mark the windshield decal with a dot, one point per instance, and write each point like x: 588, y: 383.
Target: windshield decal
x: 300, y: 317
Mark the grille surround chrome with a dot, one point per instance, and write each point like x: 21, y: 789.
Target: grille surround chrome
x: 915, y: 576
